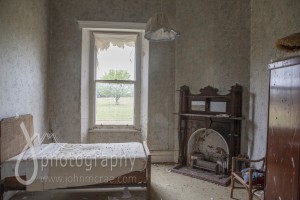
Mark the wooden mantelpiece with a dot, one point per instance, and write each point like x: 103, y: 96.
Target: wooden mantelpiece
x: 222, y: 113
x: 209, y: 116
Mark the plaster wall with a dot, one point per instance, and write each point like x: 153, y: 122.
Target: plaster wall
x: 65, y: 67
x: 214, y: 49
x: 270, y: 20
x: 221, y: 43
x: 24, y: 60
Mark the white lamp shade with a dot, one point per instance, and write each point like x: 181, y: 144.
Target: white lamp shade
x: 158, y: 29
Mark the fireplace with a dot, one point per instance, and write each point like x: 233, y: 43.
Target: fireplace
x: 208, y: 150
x: 209, y: 132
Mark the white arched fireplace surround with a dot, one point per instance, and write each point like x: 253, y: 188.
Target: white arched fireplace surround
x: 209, y: 143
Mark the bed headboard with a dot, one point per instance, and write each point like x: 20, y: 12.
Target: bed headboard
x: 12, y: 139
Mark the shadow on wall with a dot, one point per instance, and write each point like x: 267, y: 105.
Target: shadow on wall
x: 251, y: 124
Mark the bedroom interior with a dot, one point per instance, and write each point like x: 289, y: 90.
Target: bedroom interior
x: 224, y: 92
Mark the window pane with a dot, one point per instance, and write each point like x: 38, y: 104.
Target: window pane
x: 114, y: 104
x: 115, y: 57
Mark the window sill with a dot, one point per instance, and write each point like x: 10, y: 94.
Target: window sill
x: 114, y: 130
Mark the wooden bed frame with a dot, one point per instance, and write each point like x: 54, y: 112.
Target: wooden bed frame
x: 12, y: 143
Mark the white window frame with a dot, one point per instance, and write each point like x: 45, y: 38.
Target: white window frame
x: 136, y: 82
x: 87, y: 72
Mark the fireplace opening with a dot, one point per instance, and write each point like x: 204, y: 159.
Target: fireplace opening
x: 208, y: 150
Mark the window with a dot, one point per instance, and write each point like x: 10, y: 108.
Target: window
x: 116, y: 78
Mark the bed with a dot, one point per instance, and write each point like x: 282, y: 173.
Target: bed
x: 68, y: 166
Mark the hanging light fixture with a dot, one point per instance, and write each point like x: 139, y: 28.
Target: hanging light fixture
x: 159, y: 29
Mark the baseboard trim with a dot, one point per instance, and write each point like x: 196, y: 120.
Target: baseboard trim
x: 162, y: 156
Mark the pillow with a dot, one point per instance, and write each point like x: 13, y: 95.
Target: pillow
x: 257, y: 177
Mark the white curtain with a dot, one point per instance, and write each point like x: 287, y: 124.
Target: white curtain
x: 104, y: 40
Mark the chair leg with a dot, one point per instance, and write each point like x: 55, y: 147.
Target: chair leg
x: 232, y: 186
x: 250, y: 196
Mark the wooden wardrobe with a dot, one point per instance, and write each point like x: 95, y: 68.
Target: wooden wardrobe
x: 283, y: 142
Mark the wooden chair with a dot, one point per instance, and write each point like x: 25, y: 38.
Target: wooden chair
x: 250, y: 186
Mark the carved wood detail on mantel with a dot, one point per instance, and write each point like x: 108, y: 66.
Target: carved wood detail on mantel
x: 209, y: 91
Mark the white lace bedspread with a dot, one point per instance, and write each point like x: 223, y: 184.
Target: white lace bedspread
x: 62, y: 165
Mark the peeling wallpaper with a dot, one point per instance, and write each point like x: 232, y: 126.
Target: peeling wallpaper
x: 23, y: 60
x: 270, y: 20
x: 214, y: 48
x: 65, y: 66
